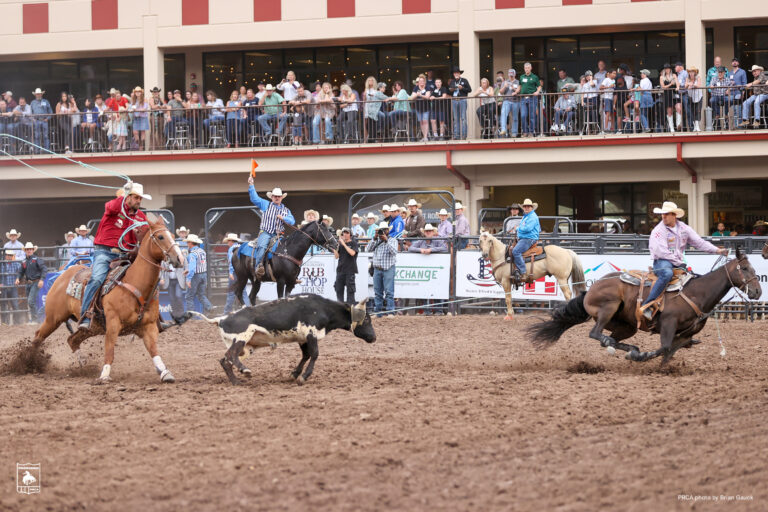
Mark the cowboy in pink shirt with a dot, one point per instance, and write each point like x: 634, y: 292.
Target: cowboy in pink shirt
x: 667, y: 243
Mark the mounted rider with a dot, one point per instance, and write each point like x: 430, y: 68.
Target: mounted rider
x: 119, y: 215
x: 527, y: 235
x: 667, y: 243
x: 272, y: 218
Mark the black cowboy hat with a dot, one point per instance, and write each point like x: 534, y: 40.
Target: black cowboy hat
x: 514, y: 206
x: 155, y: 89
x: 456, y: 69
x: 666, y: 65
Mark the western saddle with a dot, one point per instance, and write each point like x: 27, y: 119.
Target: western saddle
x: 647, y: 279
x: 536, y: 252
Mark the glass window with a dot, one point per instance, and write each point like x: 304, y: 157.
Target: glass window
x: 664, y: 42
x: 595, y: 47
x: 565, y: 201
x: 329, y: 62
x: 393, y: 62
x: 630, y: 43
x: 175, y: 72
x: 125, y: 73
x: 617, y: 199
x: 65, y: 70
x: 752, y: 46
x: 486, y: 59
x: 562, y: 47
x: 302, y: 63
x: 262, y: 66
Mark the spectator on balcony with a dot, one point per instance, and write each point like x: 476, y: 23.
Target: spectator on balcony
x: 608, y: 86
x: 694, y: 94
x: 646, y: 99
x: 7, y: 124
x: 601, y: 71
x: 712, y: 72
x: 242, y: 94
x: 720, y: 230
x: 459, y: 89
x: 589, y: 97
x: 415, y: 222
x: 349, y: 115
x: 439, y: 107
x: 530, y: 88
x: 139, y: 109
x: 565, y: 107
x: 90, y: 120
x: 176, y: 116
x: 759, y: 88
x: 510, y: 89
x: 289, y: 87
x: 738, y: 79
x: 682, y: 101
x: 251, y: 111
x: 301, y: 112
x: 401, y: 109
x: 357, y: 229
x: 66, y: 108
x: 420, y: 100
x: 325, y: 111
x: 13, y: 243
x: 156, y: 107
x: 194, y: 113
x: 216, y: 112
x: 41, y: 110
x: 22, y: 119
x: 760, y: 228
x: 375, y: 119
x: 9, y: 293
x: 564, y: 81
x: 9, y: 101
x: 116, y: 100
x: 461, y: 225
x: 371, y: 219
x: 272, y: 103
x: 445, y: 228
x: 235, y: 120
x: 261, y: 90
x: 486, y: 112
x: 720, y: 93
x: 668, y: 84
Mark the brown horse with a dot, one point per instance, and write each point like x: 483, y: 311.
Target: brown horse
x: 612, y: 303
x: 121, y: 305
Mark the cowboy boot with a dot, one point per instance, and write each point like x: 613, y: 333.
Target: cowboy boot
x: 671, y: 124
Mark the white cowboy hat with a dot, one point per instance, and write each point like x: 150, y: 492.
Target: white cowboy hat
x: 403, y: 209
x: 429, y: 227
x: 12, y: 252
x: 356, y: 216
x: 385, y: 208
x: 442, y: 211
x: 269, y: 87
x: 30, y: 245
x: 383, y: 225
x: 38, y: 91
x: 182, y: 228
x: 670, y: 207
x: 329, y: 219
x: 757, y: 68
x: 394, y: 208
x: 137, y: 189
x: 82, y: 227
x: 194, y: 239
x: 12, y: 232
x: 314, y: 212
x: 528, y: 202
x: 277, y: 191
x: 372, y: 215
x: 231, y: 237
x: 458, y: 206
x: 413, y: 202
x: 69, y: 233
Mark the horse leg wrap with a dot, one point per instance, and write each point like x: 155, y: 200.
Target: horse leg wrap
x: 607, y: 341
x: 159, y: 364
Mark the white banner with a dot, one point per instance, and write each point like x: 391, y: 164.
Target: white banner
x: 474, y: 279
x: 423, y: 276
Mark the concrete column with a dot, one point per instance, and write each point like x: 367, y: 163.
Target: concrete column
x: 704, y: 188
x: 154, y: 58
x: 502, y: 53
x: 695, y: 38
x: 477, y: 194
x: 159, y: 200
x: 469, y: 60
x: 193, y: 62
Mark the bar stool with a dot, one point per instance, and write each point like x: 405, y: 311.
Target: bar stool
x: 181, y: 138
x: 216, y: 134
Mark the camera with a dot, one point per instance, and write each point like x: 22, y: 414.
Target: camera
x: 382, y: 231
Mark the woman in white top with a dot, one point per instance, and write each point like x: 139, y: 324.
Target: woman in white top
x: 140, y: 114
x: 374, y: 117
x: 289, y: 87
x: 695, y: 93
x: 348, y: 116
x: 420, y: 103
x: 486, y: 112
x: 589, y: 97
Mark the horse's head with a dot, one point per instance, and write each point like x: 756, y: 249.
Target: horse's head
x: 486, y: 244
x: 321, y: 235
x: 743, y: 276
x: 161, y: 244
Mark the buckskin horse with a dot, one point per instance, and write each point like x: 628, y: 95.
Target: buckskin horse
x: 130, y: 307
x: 286, y: 260
x: 560, y: 263
x: 612, y: 304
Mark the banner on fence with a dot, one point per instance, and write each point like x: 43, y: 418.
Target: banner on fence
x: 474, y: 279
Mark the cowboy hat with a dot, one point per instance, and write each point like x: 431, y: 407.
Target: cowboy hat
x: 38, y: 91
x: 759, y: 223
x: 30, y: 245
x: 413, y: 202
x: 403, y: 209
x: 456, y: 69
x: 155, y: 89
x: 12, y: 252
x: 458, y: 206
x: 82, y: 227
x: 373, y: 216
x: 277, y: 191
x: 528, y: 202
x: 307, y: 213
x: 755, y: 67
x: 383, y: 225
x: 138, y: 88
x: 137, y: 189
x: 645, y: 72
x: 12, y: 232
x: 394, y: 208
x: 429, y: 227
x: 231, y: 237
x: 385, y: 208
x: 669, y: 207
x: 329, y: 219
x: 182, y: 228
x: 442, y: 211
x: 68, y: 233
x: 194, y: 239
x: 356, y: 216
x: 269, y: 87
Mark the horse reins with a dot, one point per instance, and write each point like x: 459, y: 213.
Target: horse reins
x: 298, y: 230
x: 744, y: 282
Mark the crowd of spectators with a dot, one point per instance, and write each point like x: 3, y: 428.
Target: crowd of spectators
x: 672, y: 99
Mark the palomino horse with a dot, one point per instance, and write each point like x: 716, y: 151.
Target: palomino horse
x: 612, y: 303
x: 131, y: 307
x: 560, y: 263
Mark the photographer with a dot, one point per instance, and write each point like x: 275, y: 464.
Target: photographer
x: 384, y: 249
x: 346, y: 270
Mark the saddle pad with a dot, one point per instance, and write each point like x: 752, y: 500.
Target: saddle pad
x: 78, y: 282
x: 674, y: 286
x: 112, y: 278
x: 535, y: 250
x: 249, y: 250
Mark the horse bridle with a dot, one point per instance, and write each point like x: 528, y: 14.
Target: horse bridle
x: 165, y: 252
x: 744, y: 285
x: 325, y: 238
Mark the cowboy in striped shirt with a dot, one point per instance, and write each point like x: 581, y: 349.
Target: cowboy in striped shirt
x: 272, y: 218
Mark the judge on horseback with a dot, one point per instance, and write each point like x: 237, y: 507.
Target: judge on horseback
x: 667, y: 242
x: 527, y: 235
x: 119, y: 215
x: 272, y: 218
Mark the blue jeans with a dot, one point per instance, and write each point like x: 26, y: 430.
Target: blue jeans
x: 719, y: 102
x: 507, y: 107
x: 32, y: 291
x: 384, y: 283
x: 41, y: 132
x: 197, y: 289
x: 461, y: 243
x: 664, y: 272
x: 459, y: 111
x: 235, y: 130
x: 517, y: 253
x: 99, y: 271
x: 529, y: 114
x: 262, y: 244
x: 176, y: 298
x: 568, y: 114
x: 754, y: 101
x: 264, y: 120
x: 316, y: 128
x: 229, y: 306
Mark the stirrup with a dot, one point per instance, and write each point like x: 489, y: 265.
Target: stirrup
x: 260, y: 271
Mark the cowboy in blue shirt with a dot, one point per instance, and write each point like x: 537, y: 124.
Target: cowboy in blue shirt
x: 739, y: 79
x: 527, y: 233
x: 272, y: 218
x: 395, y: 221
x: 41, y: 109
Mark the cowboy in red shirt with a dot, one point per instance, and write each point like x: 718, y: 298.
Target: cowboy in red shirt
x: 116, y: 101
x: 119, y: 215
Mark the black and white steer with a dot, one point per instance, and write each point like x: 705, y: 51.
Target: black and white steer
x: 304, y: 319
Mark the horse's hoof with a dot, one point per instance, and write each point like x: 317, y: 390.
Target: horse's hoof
x: 300, y: 381
x: 507, y: 317
x: 81, y: 359
x: 246, y: 372
x: 102, y: 380
x: 167, y: 377
x: 611, y: 351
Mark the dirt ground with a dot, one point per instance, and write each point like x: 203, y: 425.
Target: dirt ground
x: 439, y: 414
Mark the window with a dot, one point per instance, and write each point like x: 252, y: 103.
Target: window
x: 175, y: 72
x: 751, y: 46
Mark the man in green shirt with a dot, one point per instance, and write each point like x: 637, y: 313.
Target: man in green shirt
x: 272, y: 103
x: 564, y: 81
x: 530, y: 88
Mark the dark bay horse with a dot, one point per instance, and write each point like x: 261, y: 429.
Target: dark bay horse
x: 612, y: 304
x: 286, y: 261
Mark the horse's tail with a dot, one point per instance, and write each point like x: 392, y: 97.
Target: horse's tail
x: 577, y: 274
x: 564, y: 317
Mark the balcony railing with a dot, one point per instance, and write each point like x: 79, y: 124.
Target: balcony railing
x: 386, y: 121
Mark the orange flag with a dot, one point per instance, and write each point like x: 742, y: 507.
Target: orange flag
x: 254, y: 165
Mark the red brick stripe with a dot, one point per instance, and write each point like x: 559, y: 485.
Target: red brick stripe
x: 577, y: 2
x: 104, y: 14
x: 267, y: 11
x: 35, y: 18
x: 416, y: 6
x: 509, y: 4
x: 340, y: 8
x: 643, y: 0
x: 194, y: 12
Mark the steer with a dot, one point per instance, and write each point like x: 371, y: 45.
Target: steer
x: 304, y: 319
